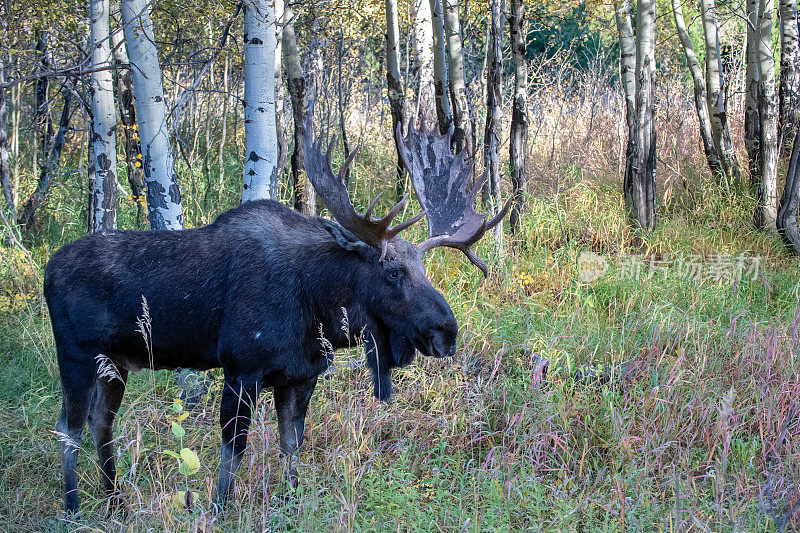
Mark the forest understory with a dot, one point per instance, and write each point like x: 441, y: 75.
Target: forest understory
x: 691, y: 331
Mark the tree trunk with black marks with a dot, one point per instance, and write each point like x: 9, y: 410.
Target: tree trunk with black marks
x: 163, y: 194
x: 211, y: 86
x: 700, y: 101
x: 463, y: 136
x: 494, y: 114
x: 494, y: 102
x: 90, y: 172
x: 16, y: 114
x: 127, y: 115
x: 790, y: 202
x: 641, y: 165
x: 423, y: 41
x: 5, y: 164
x: 104, y: 120
x: 444, y: 115
x: 297, y: 91
x: 519, y: 116
x: 261, y: 139
x: 224, y: 135
x: 627, y: 68
x: 767, y: 193
x: 482, y: 80
x: 627, y: 54
x: 50, y: 163
x: 394, y: 83
x: 44, y: 126
x: 715, y: 93
x: 752, y: 122
x: 343, y: 97
x: 316, y: 73
x: 280, y: 95
x: 789, y: 82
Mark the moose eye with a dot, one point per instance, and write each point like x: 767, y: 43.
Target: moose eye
x: 394, y: 274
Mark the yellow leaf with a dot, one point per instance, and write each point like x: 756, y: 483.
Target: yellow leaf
x: 191, y: 460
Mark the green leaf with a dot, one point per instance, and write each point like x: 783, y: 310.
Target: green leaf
x: 172, y: 454
x: 177, y: 430
x: 190, y: 460
x: 177, y: 406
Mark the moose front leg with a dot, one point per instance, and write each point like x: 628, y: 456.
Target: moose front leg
x: 235, y: 413
x: 291, y: 404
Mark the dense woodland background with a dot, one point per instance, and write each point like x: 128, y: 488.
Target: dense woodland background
x: 517, y: 77
x: 700, y: 433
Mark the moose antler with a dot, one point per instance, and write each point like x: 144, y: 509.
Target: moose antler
x: 376, y: 232
x: 439, y: 179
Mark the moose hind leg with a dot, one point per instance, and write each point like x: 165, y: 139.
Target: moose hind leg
x: 77, y: 384
x: 291, y: 404
x: 235, y: 415
x: 109, y: 390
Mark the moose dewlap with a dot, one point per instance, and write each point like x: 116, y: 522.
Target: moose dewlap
x: 249, y: 293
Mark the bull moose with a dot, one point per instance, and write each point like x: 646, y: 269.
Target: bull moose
x: 253, y: 293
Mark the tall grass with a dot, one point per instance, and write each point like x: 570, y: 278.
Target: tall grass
x: 703, y: 433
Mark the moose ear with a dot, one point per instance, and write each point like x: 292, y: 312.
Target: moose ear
x: 344, y: 238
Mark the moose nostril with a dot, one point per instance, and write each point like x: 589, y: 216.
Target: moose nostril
x: 452, y: 351
x: 430, y: 342
x: 440, y: 345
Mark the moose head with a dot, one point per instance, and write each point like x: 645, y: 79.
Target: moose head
x: 409, y: 313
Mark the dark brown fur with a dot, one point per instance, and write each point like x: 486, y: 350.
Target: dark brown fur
x: 248, y: 293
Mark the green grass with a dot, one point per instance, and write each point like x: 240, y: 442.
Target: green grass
x: 473, y: 443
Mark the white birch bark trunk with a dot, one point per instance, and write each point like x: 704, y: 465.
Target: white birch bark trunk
x: 767, y: 197
x: 16, y: 114
x: 627, y: 52
x: 127, y: 115
x: 519, y: 116
x: 788, y: 103
x: 789, y: 87
x: 790, y: 202
x: 5, y: 166
x: 462, y: 134
x: 715, y: 92
x: 90, y: 172
x: 642, y: 158
x: 443, y: 113
x: 104, y: 120
x: 394, y: 84
x: 700, y: 101
x: 494, y: 114
x: 280, y: 94
x: 393, y: 75
x: 261, y: 139
x: 752, y: 123
x: 163, y: 194
x: 296, y: 81
x: 627, y: 71
x: 423, y: 42
x: 313, y: 89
